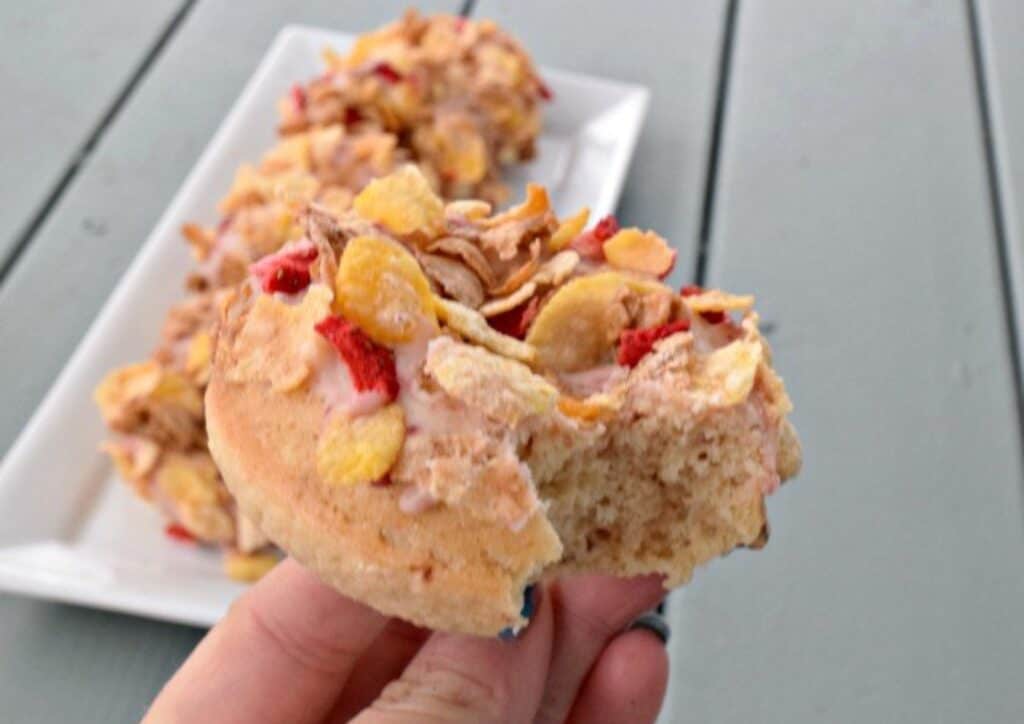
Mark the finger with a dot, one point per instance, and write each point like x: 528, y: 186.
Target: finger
x: 589, y: 612
x: 627, y: 683
x: 281, y: 654
x: 384, y: 662
x: 456, y: 679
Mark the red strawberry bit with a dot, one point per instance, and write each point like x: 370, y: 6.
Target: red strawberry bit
x: 352, y: 116
x: 516, y: 321
x: 716, y: 316
x: 634, y: 344
x: 387, y: 72
x: 286, y: 271
x: 691, y: 290
x: 460, y: 24
x: 544, y: 91
x: 371, y: 366
x: 176, y: 531
x: 299, y: 97
x: 590, y: 244
x: 382, y: 482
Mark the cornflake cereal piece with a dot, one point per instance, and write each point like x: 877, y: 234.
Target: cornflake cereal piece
x: 454, y: 278
x: 277, y: 339
x: 362, y: 449
x: 471, y: 209
x: 640, y: 251
x: 473, y: 326
x: 728, y: 374
x: 503, y: 304
x: 568, y: 230
x: 699, y: 300
x: 469, y: 253
x: 197, y: 359
x: 502, y: 389
x: 535, y: 204
x: 597, y: 407
x: 573, y: 329
x: 403, y: 202
x: 144, y: 381
x: 134, y: 456
x: 634, y: 344
x: 191, y: 480
x: 248, y: 567
x: 370, y: 366
x: 381, y: 287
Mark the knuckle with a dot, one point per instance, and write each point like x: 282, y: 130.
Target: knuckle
x: 445, y: 692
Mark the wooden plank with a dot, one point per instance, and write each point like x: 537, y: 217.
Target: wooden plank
x: 67, y: 664
x: 1000, y: 31
x: 60, y: 663
x: 854, y: 199
x: 673, y: 48
x: 63, y: 64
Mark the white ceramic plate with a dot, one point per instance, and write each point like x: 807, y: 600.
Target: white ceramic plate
x: 69, y: 529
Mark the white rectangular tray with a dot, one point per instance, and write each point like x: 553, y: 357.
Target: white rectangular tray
x: 69, y: 529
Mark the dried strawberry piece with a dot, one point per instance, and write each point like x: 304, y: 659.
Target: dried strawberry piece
x: 634, y: 344
x: 590, y: 243
x: 176, y: 531
x: 691, y: 290
x: 286, y: 271
x: 382, y: 482
x: 516, y: 321
x: 371, y: 366
x: 298, y: 97
x: 544, y: 91
x: 715, y: 316
x: 353, y: 116
x: 387, y: 72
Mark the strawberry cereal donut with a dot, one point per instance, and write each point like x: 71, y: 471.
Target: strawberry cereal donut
x: 433, y: 405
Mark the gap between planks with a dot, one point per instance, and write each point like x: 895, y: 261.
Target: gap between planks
x: 82, y: 153
x: 997, y: 202
x: 717, y: 123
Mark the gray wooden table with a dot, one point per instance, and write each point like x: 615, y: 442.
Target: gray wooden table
x: 859, y: 165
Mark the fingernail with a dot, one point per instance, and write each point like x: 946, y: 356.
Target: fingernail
x: 653, y: 623
x: 531, y: 595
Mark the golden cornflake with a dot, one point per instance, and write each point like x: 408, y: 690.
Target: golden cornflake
x: 276, y: 342
x: 145, y: 381
x: 501, y: 388
x: 569, y: 229
x: 362, y: 449
x: 403, y: 202
x: 381, y: 287
x: 713, y: 300
x: 248, y: 567
x: 473, y: 326
x: 571, y: 332
x: 639, y: 251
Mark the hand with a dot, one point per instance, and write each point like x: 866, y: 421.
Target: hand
x: 294, y: 650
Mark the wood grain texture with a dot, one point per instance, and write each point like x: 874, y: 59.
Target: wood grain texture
x: 854, y: 200
x: 68, y: 664
x: 61, y: 66
x: 673, y: 48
